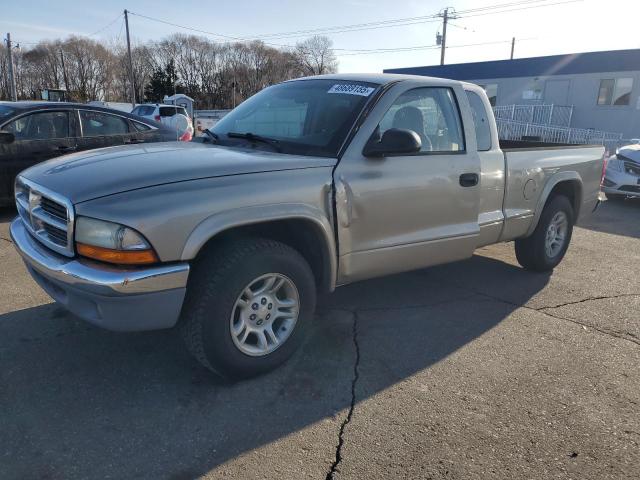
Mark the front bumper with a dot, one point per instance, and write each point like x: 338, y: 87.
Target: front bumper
x: 122, y: 299
x: 621, y: 183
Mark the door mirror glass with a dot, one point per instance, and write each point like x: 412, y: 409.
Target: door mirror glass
x: 6, y: 137
x: 394, y: 141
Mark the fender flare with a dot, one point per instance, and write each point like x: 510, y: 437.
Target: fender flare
x: 554, y: 180
x: 239, y: 217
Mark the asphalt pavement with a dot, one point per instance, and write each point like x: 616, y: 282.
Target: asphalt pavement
x: 472, y: 370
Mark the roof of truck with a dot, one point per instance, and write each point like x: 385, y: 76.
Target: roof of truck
x: 379, y: 78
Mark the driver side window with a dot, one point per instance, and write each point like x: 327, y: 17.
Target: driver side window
x: 430, y: 112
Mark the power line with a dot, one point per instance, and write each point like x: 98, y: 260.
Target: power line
x: 399, y: 22
x: 106, y: 26
x: 555, y: 4
x: 120, y: 31
x: 425, y: 47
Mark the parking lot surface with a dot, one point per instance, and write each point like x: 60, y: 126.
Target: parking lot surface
x: 477, y: 369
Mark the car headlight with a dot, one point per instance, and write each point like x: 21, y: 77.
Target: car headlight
x: 112, y: 242
x: 615, y: 164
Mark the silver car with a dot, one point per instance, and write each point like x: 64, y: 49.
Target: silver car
x: 622, y: 175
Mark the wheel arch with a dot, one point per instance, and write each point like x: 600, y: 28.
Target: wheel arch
x: 304, y: 228
x: 568, y: 184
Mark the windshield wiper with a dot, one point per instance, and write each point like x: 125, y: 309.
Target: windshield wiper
x: 212, y: 135
x: 252, y: 137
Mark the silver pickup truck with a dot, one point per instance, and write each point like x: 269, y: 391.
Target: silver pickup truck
x: 308, y: 185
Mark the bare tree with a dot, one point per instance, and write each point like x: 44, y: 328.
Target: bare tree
x: 216, y: 75
x: 315, y: 56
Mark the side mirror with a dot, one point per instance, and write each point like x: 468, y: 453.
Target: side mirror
x: 395, y: 141
x: 7, y: 137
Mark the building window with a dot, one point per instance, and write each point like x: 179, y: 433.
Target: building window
x: 492, y: 92
x: 533, y: 91
x: 615, y: 91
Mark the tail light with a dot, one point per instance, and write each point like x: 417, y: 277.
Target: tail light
x: 186, y: 136
x: 156, y: 118
x: 604, y: 168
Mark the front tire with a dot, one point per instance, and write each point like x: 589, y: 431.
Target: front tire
x: 546, y: 247
x: 248, y: 307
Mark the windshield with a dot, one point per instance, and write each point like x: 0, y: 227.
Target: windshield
x: 306, y: 117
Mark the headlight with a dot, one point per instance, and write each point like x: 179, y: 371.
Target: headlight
x: 615, y: 164
x: 112, y: 242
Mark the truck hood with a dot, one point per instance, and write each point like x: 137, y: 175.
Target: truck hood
x: 97, y: 173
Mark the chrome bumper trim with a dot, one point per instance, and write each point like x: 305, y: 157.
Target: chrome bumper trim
x: 93, y: 277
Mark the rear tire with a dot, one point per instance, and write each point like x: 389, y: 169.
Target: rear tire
x: 225, y: 319
x: 546, y: 247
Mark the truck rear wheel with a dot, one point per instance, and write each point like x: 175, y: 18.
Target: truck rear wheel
x: 248, y: 307
x: 546, y: 247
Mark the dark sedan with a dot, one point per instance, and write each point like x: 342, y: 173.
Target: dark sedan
x: 31, y: 132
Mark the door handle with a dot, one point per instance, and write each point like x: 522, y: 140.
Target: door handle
x: 468, y: 179
x: 62, y: 148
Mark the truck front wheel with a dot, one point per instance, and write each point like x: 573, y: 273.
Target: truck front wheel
x: 546, y: 247
x: 248, y: 307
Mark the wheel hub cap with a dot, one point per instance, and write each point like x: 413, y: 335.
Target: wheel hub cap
x: 556, y: 234
x: 264, y: 314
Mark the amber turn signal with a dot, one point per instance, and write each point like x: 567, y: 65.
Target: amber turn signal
x: 120, y: 257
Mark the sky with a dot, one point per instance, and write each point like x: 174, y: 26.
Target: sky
x: 567, y: 26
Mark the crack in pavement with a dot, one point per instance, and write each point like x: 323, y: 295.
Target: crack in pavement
x: 589, y: 299
x: 6, y: 240
x: 541, y: 310
x: 354, y: 381
x: 356, y: 367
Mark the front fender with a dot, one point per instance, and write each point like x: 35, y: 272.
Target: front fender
x: 226, y: 220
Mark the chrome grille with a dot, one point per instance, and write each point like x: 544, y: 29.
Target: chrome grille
x: 47, y: 215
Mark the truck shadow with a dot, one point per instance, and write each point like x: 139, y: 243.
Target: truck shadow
x: 616, y: 217
x: 79, y: 402
x: 7, y: 214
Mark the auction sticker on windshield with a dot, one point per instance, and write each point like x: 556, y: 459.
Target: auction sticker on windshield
x: 351, y: 89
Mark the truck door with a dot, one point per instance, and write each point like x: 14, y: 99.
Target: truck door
x: 403, y: 212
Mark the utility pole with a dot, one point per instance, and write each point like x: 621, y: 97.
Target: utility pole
x: 64, y: 72
x: 12, y: 77
x: 133, y: 88
x: 445, y: 18
x: 442, y: 40
x: 513, y: 46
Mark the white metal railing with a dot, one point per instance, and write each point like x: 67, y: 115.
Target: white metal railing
x: 557, y: 115
x: 514, y: 130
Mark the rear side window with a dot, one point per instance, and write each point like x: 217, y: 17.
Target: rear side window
x: 182, y: 111
x: 432, y: 113
x: 40, y: 126
x: 96, y: 124
x: 144, y: 110
x: 141, y: 127
x: 167, y: 111
x: 480, y: 121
